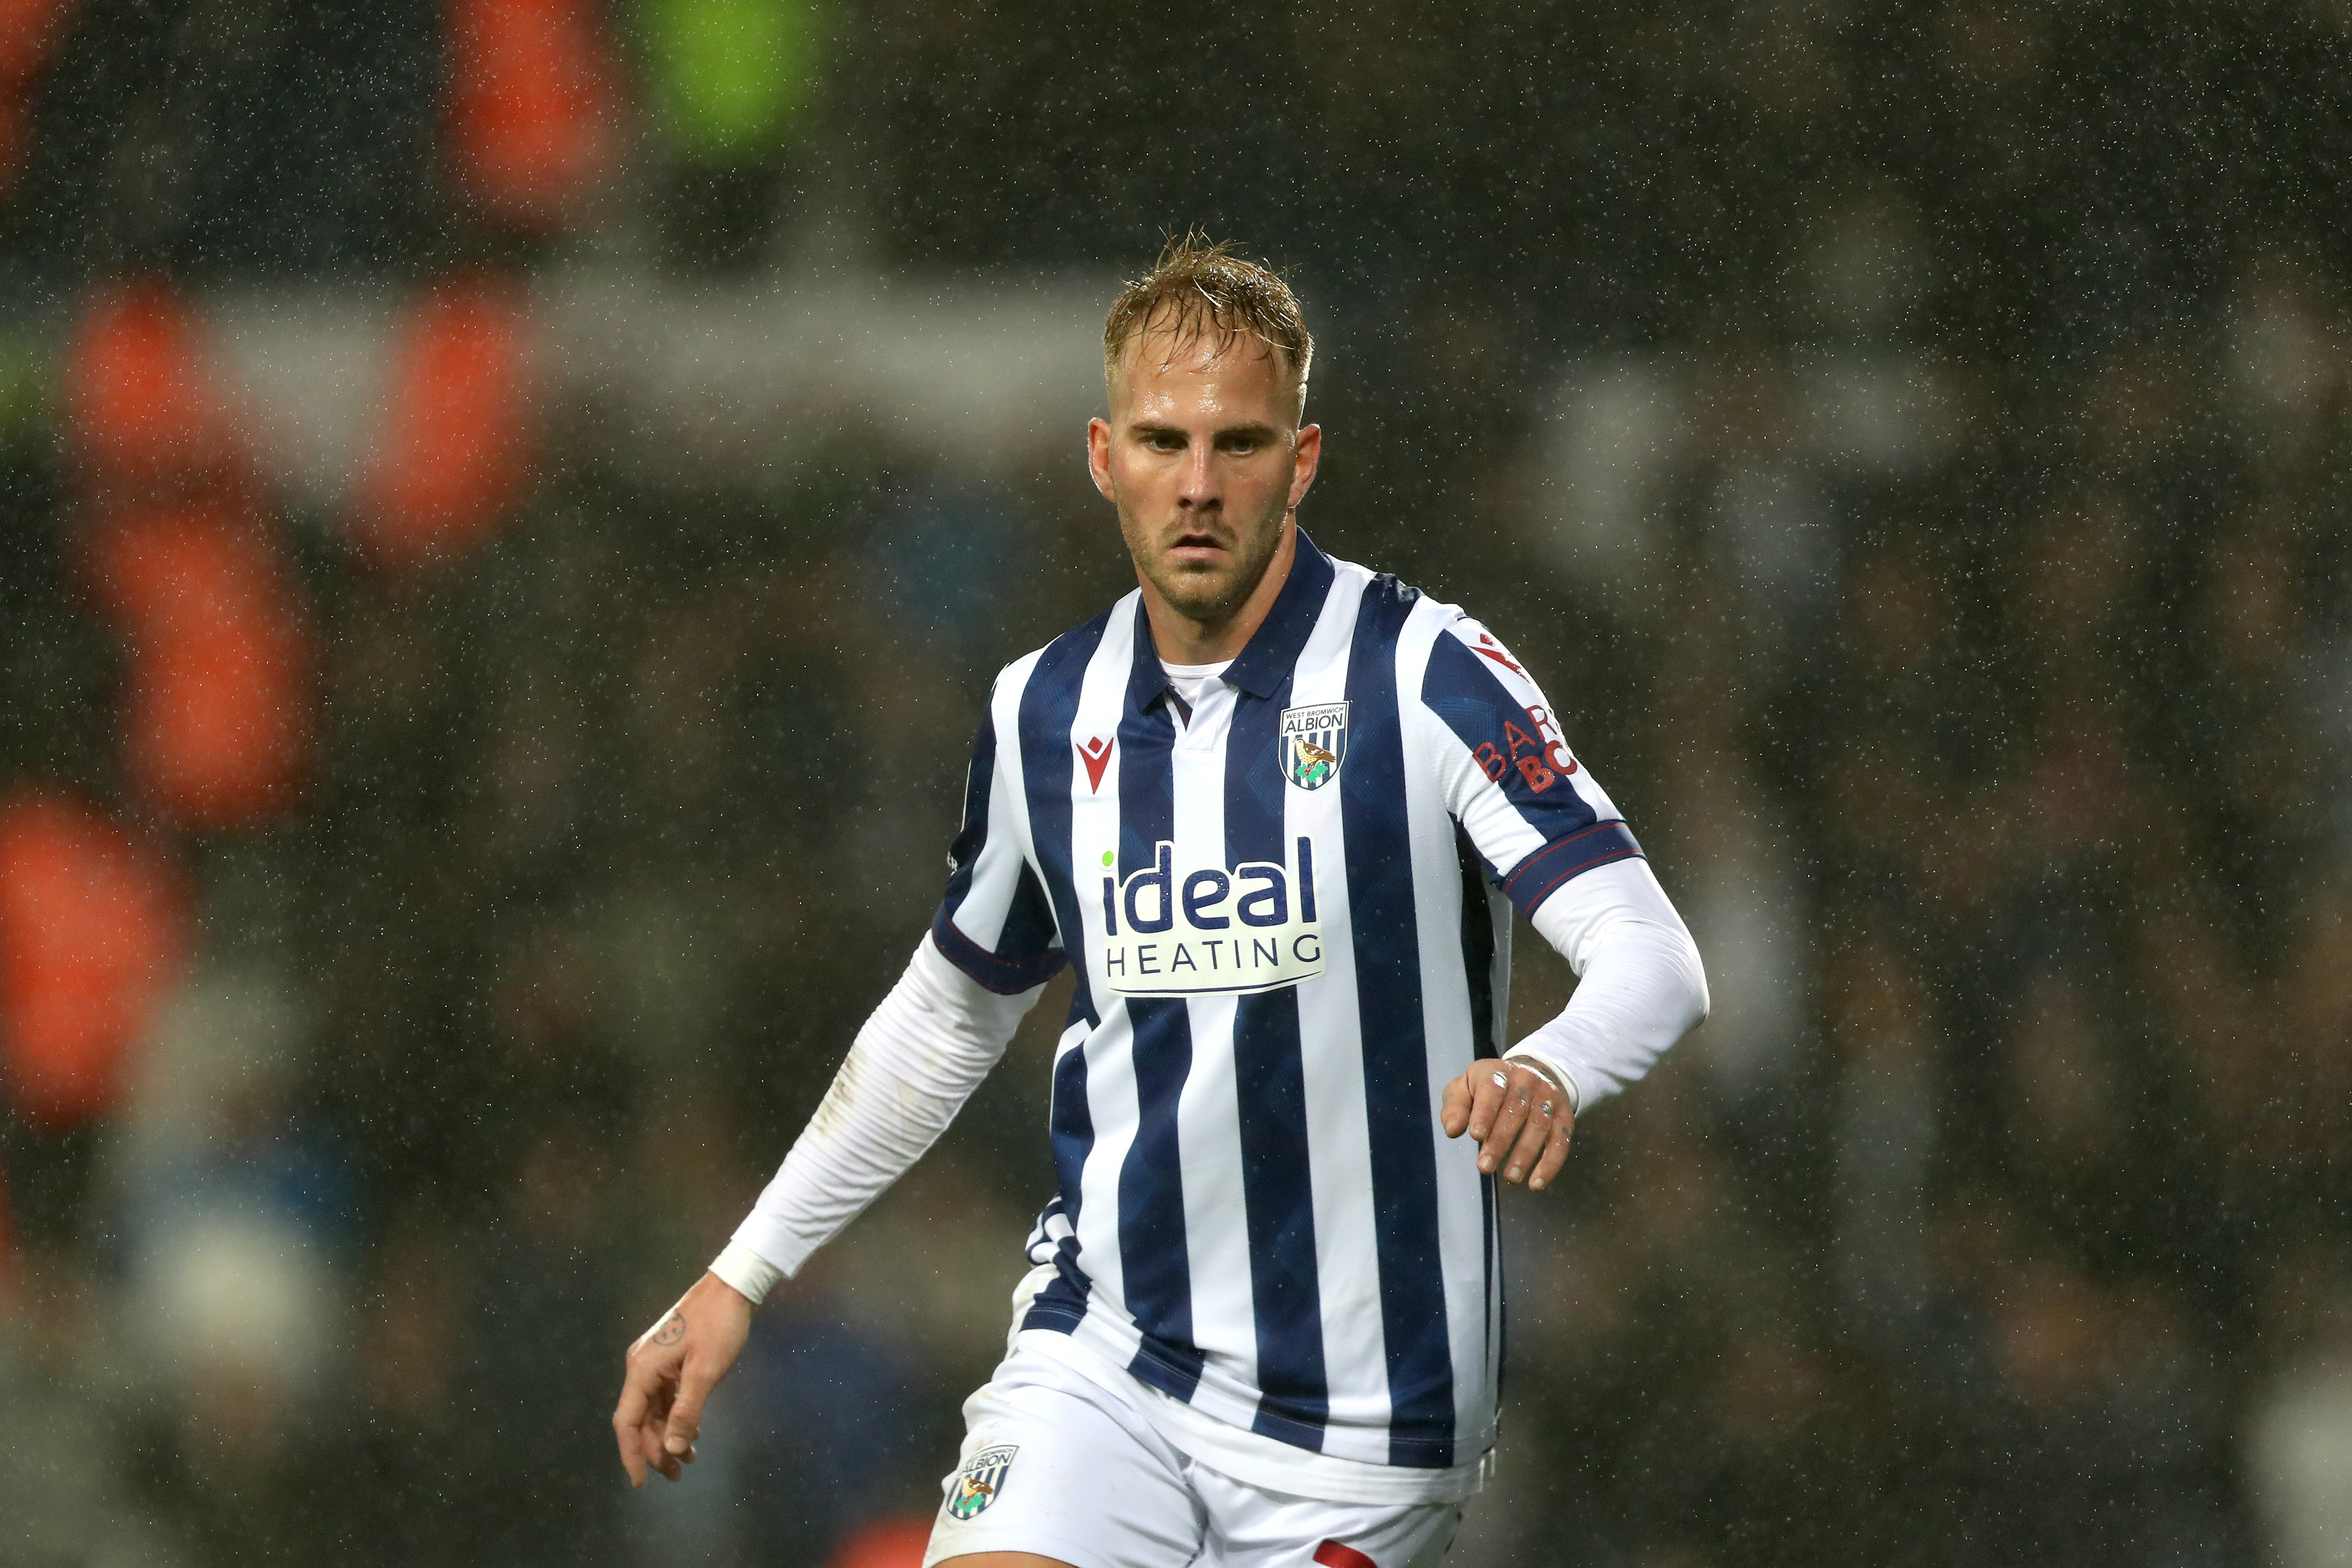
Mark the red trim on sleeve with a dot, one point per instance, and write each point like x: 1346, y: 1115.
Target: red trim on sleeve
x: 1542, y: 873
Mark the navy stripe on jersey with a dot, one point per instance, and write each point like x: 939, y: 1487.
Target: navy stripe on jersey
x: 1270, y: 1084
x: 979, y: 784
x: 1263, y: 667
x: 1025, y: 954
x: 1460, y: 689
x: 1063, y: 1302
x: 1477, y: 943
x: 1154, y: 1256
x: 1396, y: 1059
x: 1509, y: 747
x: 1491, y: 1222
x: 1048, y: 707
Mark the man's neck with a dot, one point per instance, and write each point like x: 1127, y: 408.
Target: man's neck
x: 1181, y: 640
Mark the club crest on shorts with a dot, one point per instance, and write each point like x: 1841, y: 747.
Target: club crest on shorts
x: 981, y: 1478
x: 1313, y: 743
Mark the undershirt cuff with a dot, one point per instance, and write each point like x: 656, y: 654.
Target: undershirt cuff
x: 746, y: 1271
x: 1552, y: 1068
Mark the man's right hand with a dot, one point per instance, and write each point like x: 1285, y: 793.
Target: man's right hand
x: 672, y: 1369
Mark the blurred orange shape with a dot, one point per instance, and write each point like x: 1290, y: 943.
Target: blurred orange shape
x: 15, y: 132
x: 139, y: 407
x: 90, y: 935
x: 885, y: 1543
x: 29, y: 29
x: 216, y: 727
x: 453, y: 452
x: 531, y: 98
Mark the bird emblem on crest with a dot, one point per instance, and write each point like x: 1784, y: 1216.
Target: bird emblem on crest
x: 1313, y: 743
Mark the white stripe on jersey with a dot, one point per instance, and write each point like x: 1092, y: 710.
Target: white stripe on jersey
x: 1465, y: 1203
x: 1339, y: 1136
x: 1208, y: 1118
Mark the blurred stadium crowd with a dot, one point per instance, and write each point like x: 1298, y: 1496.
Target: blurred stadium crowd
x: 512, y: 506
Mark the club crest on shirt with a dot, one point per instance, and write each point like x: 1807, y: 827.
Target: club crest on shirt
x: 1314, y: 744
x: 981, y: 1478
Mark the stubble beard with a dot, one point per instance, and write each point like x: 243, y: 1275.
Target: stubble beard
x: 1207, y: 597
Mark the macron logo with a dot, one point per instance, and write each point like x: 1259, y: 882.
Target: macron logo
x: 1486, y: 647
x: 1096, y: 754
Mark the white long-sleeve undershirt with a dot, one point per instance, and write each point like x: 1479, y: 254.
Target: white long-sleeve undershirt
x: 920, y: 1055
x: 1641, y: 986
x: 931, y: 1041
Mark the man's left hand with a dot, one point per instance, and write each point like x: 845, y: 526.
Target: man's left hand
x: 1518, y: 1117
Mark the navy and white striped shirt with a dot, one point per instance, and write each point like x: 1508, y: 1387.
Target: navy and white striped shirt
x: 1292, y: 905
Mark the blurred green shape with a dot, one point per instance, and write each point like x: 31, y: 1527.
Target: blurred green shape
x: 26, y: 374
x: 731, y: 79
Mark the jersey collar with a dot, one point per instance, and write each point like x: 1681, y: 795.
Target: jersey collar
x: 1262, y: 666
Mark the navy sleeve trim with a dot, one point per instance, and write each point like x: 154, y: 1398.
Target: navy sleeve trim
x: 1005, y: 977
x: 1542, y: 873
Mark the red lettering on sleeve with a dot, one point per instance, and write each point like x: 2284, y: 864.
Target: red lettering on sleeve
x: 1556, y: 750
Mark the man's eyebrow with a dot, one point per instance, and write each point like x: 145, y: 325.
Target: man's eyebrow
x: 1254, y: 431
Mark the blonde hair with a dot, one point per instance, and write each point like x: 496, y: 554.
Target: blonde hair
x: 1199, y: 290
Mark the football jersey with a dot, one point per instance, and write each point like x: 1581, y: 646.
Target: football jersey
x: 1288, y: 906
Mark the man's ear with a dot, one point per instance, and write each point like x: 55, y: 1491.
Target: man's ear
x: 1307, y: 455
x: 1098, y: 457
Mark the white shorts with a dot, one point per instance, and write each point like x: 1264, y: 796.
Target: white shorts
x: 1056, y: 1464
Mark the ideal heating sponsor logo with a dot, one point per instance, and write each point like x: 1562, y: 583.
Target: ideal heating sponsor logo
x: 1200, y: 933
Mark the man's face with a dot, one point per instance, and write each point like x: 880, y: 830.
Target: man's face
x: 1203, y: 457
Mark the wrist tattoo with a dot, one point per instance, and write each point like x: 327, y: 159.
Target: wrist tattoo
x: 673, y: 1328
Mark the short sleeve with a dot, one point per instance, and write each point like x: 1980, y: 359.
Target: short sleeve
x: 1534, y: 811
x: 996, y: 923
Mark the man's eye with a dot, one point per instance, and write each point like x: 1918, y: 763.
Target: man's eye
x: 1165, y: 443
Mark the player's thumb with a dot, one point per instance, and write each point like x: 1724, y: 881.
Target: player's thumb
x: 686, y: 1410
x: 1454, y: 1107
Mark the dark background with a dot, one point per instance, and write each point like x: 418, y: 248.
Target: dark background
x: 509, y: 513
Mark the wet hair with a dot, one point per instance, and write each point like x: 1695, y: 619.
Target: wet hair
x: 1199, y: 290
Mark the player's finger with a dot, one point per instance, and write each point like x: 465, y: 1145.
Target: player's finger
x: 629, y: 1419
x: 1454, y: 1107
x: 1488, y: 1082
x: 1534, y: 1133
x: 1510, y: 1115
x: 658, y: 1436
x: 652, y: 1439
x: 686, y: 1413
x: 653, y: 1424
x: 1555, y: 1153
x: 632, y: 1459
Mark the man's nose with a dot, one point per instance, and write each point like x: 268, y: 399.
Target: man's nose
x: 1199, y: 490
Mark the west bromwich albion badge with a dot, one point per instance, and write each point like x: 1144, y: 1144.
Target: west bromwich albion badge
x: 1313, y: 743
x: 981, y: 1478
